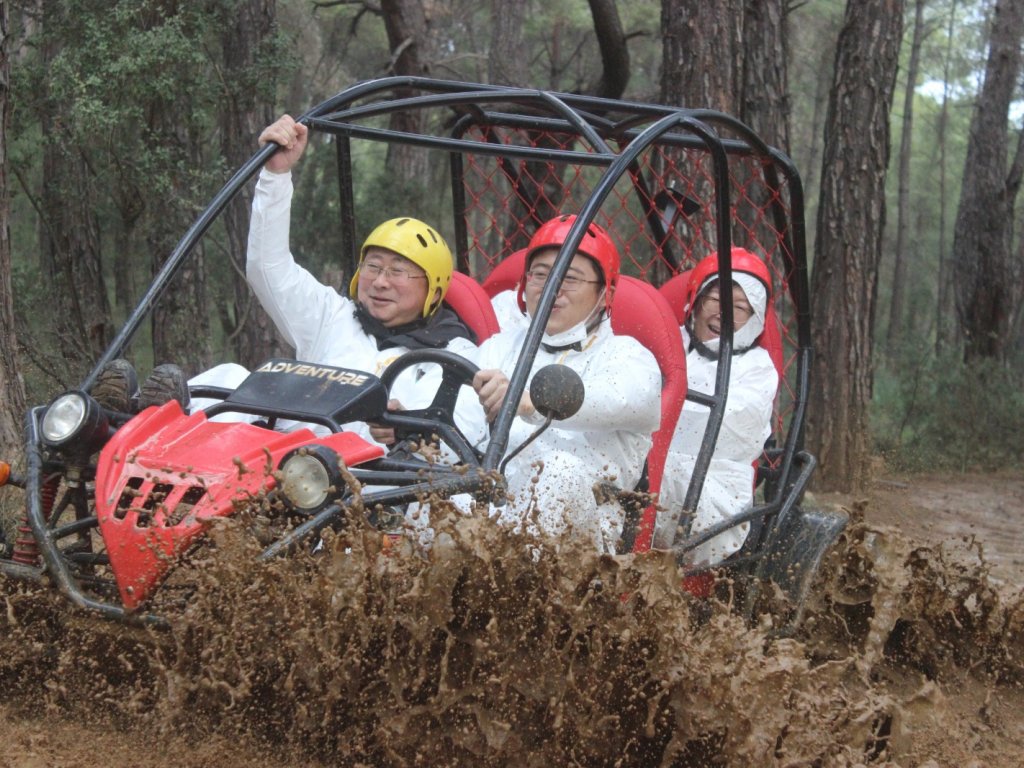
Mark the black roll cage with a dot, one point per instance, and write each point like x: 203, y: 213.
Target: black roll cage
x: 601, y: 125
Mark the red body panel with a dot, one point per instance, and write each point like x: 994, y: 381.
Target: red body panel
x: 164, y: 476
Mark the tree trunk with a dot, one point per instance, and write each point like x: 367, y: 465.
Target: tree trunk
x: 409, y: 38
x: 180, y: 321
x: 730, y: 56
x: 506, y: 64
x: 535, y: 198
x: 988, y: 278
x: 813, y: 161
x: 851, y: 216
x: 942, y: 304
x: 765, y: 104
x: 701, y: 63
x: 69, y: 234
x: 71, y: 248
x: 69, y: 237
x: 614, y: 51
x: 12, y: 389
x: 900, y: 256
x: 1013, y: 181
x: 245, y: 111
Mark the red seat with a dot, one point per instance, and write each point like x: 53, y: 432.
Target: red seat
x: 472, y: 304
x: 505, y: 276
x: 638, y: 310
x: 771, y: 338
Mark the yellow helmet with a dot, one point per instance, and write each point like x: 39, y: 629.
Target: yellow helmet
x: 419, y: 243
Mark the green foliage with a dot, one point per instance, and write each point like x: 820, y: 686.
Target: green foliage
x: 925, y: 212
x: 42, y: 372
x: 966, y: 50
x: 559, y: 46
x: 315, y: 224
x: 315, y: 227
x: 934, y: 413
x: 137, y: 90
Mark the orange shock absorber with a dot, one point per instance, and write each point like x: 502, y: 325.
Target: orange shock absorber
x: 26, y: 549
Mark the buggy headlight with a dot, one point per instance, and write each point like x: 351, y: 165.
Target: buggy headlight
x: 75, y: 420
x: 310, y: 477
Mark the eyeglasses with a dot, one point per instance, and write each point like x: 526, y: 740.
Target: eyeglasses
x: 370, y: 271
x: 570, y: 283
x: 739, y: 311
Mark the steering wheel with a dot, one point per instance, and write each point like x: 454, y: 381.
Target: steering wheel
x: 438, y: 417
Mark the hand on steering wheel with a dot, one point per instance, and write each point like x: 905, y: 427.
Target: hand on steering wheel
x: 438, y: 418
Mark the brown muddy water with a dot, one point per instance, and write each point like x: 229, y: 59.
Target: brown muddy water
x: 483, y: 654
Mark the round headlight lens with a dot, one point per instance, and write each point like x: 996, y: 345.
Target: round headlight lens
x: 305, y: 481
x: 64, y: 417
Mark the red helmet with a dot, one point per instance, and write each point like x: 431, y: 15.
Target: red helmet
x: 742, y: 261
x: 596, y: 243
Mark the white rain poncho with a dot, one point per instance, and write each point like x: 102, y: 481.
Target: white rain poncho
x: 506, y: 309
x: 728, y: 487
x: 607, y: 439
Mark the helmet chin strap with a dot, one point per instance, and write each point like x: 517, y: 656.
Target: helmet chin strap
x: 709, y: 349
x: 435, y: 304
x: 597, y: 314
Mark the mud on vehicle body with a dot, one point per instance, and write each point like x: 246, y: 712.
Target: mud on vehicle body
x: 112, y: 501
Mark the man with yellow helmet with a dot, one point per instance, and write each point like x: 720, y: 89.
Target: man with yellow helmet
x: 394, y: 302
x: 405, y: 239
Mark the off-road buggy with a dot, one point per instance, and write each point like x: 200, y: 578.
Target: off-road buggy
x: 112, y: 501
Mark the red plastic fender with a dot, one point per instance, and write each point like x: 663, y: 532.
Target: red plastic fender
x: 164, y: 476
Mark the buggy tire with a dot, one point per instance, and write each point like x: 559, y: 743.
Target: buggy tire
x: 795, y: 553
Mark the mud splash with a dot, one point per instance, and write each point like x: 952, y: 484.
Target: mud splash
x: 485, y: 653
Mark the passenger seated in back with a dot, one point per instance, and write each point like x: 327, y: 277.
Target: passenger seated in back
x: 753, y: 381
x: 609, y: 437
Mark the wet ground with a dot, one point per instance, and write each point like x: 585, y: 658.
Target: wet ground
x: 912, y: 654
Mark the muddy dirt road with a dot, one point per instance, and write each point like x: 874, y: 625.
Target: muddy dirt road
x: 913, y: 655
x: 982, y: 512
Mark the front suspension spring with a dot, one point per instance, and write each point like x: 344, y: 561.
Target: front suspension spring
x: 26, y: 548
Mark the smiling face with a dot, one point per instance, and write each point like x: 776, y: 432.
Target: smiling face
x: 707, y: 317
x: 391, y: 288
x: 578, y: 296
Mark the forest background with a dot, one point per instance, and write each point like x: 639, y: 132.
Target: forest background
x: 121, y: 118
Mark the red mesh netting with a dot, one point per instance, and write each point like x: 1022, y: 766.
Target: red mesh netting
x: 663, y: 214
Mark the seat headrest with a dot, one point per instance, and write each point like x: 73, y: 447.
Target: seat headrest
x: 472, y: 304
x: 506, y: 274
